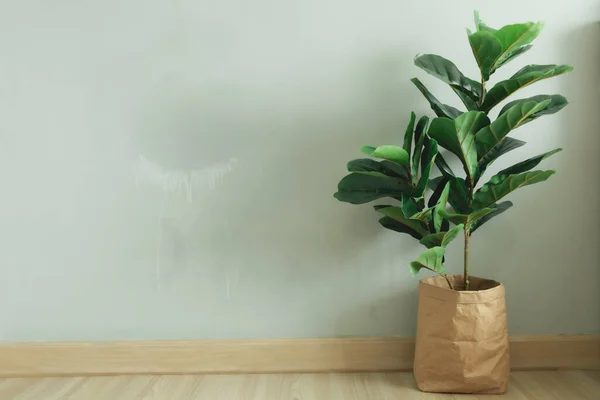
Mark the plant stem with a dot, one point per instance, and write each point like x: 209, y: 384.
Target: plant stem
x: 448, y: 280
x: 444, y: 275
x: 466, y: 259
x: 482, y: 92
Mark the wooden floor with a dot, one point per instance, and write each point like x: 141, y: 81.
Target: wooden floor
x: 548, y: 385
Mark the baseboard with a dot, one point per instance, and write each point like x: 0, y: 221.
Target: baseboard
x: 268, y: 356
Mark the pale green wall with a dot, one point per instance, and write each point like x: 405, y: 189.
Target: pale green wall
x: 256, y: 106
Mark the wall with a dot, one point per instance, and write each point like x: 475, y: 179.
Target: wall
x: 168, y: 167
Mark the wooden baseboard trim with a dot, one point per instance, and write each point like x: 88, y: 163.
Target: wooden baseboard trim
x: 268, y: 356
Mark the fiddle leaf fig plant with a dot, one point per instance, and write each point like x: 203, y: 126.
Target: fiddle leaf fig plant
x: 435, y: 210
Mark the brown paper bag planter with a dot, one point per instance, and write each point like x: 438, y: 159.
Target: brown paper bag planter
x: 462, y: 340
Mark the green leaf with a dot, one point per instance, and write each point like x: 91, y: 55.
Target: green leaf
x: 480, y: 25
x: 468, y: 220
x: 419, y: 141
x: 396, y: 214
x: 501, y: 185
x: 441, y: 239
x: 446, y: 71
x: 524, y: 77
x: 507, y: 144
x: 396, y: 226
x: 439, y: 185
x: 488, y: 137
x: 357, y: 188
x: 409, y: 206
x: 440, y: 109
x: 421, y: 125
x: 513, y: 55
x: 409, y: 134
x: 486, y: 49
x: 498, y: 209
x: 443, y: 166
x: 466, y: 99
x: 368, y: 150
x: 367, y: 165
x: 440, y: 208
x: 430, y: 151
x: 459, y: 195
x: 430, y: 259
x: 434, y: 183
x: 513, y: 38
x: 424, y: 216
x: 557, y: 103
x: 393, y: 153
x: 458, y: 136
x: 527, y: 164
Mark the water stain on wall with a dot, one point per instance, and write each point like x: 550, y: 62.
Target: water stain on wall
x: 185, y: 153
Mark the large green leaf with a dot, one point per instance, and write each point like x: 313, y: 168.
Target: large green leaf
x: 440, y: 208
x: 466, y: 99
x: 396, y: 214
x: 425, y: 216
x: 498, y: 209
x: 521, y: 50
x: 513, y: 38
x: 358, y: 188
x: 507, y: 144
x: 480, y: 25
x: 434, y: 183
x: 524, y: 77
x: 430, y: 151
x: 443, y: 165
x: 527, y: 164
x: 468, y: 220
x: 388, y: 152
x: 557, y: 103
x: 421, y: 126
x: 396, y: 226
x: 441, y: 239
x: 488, y: 137
x: 458, y: 136
x: 419, y: 142
x: 440, y: 109
x: 459, y: 195
x: 501, y: 185
x: 408, y: 135
x: 449, y: 73
x: 409, y: 206
x: 367, y: 165
x: 486, y: 49
x: 438, y: 185
x: 430, y: 259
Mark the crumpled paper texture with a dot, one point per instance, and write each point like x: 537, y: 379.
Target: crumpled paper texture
x: 462, y: 337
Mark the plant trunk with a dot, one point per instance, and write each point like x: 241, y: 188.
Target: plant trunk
x: 466, y: 259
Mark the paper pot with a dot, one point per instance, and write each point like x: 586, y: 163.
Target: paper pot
x: 462, y: 339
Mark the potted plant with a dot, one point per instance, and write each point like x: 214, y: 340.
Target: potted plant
x: 462, y: 340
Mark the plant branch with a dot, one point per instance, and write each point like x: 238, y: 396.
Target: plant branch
x: 466, y: 259
x: 467, y: 237
x: 444, y: 275
x: 482, y: 92
x: 448, y: 280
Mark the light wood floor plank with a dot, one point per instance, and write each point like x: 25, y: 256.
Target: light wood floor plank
x: 174, y: 387
x: 550, y: 385
x: 100, y: 388
x: 52, y: 388
x: 17, y: 388
x: 525, y: 385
